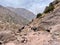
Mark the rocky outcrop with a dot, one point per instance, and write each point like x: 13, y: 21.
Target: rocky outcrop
x: 51, y: 19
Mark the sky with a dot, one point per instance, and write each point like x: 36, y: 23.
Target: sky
x: 35, y: 6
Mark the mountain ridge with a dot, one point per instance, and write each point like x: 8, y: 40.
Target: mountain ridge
x: 6, y: 13
x: 23, y: 12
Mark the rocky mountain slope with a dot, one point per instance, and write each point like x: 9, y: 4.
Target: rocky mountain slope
x: 7, y: 15
x: 41, y: 31
x: 23, y: 12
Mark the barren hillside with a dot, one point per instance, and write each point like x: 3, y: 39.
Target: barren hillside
x: 7, y: 15
x: 44, y: 30
x: 23, y: 12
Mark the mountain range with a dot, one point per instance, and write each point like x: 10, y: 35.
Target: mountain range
x: 23, y: 12
x: 18, y: 15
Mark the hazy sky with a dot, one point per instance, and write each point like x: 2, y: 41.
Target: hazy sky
x: 35, y: 6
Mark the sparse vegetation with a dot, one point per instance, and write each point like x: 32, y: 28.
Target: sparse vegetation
x: 39, y: 15
x: 49, y: 8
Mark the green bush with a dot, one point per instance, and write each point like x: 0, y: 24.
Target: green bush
x: 39, y: 15
x: 49, y: 8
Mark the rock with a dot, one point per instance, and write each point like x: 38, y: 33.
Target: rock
x: 19, y: 30
x: 48, y: 30
x: 10, y: 43
x: 34, y: 28
x: 24, y: 40
x: 6, y: 36
x: 1, y: 42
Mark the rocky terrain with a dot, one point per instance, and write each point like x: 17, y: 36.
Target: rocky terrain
x: 41, y: 31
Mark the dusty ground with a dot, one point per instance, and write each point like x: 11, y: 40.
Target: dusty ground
x: 29, y: 37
